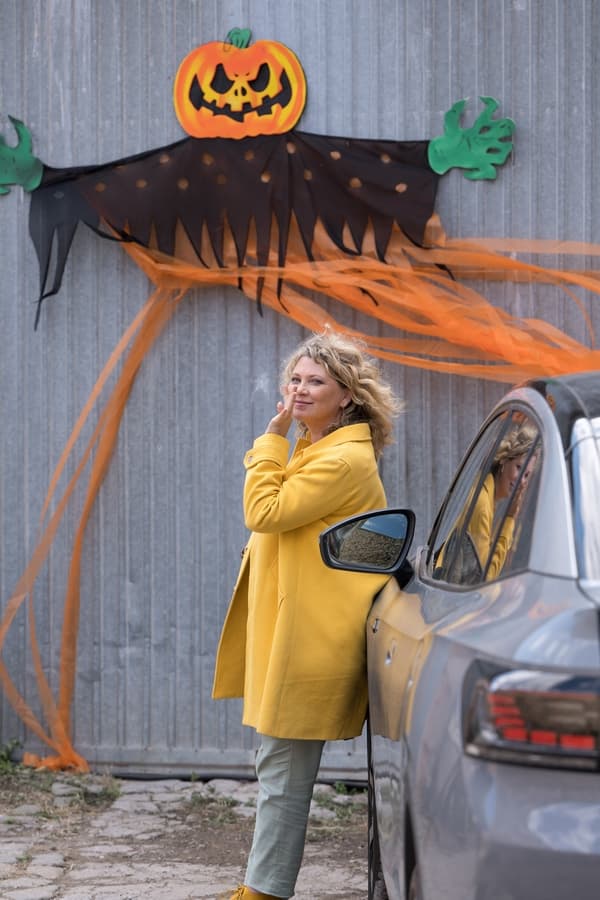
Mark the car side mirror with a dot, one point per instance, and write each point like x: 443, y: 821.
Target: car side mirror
x: 377, y: 541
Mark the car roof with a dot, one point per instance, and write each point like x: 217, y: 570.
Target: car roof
x: 570, y: 397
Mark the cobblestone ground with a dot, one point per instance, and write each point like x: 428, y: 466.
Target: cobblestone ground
x: 99, y: 838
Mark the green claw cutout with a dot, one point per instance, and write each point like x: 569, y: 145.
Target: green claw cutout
x: 479, y: 148
x: 18, y: 165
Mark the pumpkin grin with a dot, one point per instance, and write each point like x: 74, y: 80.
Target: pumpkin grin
x: 282, y: 99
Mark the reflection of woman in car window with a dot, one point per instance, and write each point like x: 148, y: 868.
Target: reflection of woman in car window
x: 293, y: 643
x: 503, y: 482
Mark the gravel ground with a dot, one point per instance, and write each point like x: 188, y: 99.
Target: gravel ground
x: 95, y: 837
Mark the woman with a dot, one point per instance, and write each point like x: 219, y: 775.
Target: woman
x: 505, y: 474
x: 293, y: 641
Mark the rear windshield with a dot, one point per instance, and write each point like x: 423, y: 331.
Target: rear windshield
x: 585, y: 468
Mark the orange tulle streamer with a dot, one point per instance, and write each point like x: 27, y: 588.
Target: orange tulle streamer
x: 434, y: 319
x: 142, y: 333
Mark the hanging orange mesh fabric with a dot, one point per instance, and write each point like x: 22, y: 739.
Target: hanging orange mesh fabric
x: 434, y: 319
x: 142, y: 333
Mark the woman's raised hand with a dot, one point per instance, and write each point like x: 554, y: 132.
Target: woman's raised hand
x: 280, y: 423
x: 517, y: 499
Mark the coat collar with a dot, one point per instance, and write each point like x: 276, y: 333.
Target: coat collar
x: 361, y: 431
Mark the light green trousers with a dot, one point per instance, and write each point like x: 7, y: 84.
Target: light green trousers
x: 286, y: 772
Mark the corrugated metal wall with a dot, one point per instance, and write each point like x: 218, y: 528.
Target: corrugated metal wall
x: 93, y: 80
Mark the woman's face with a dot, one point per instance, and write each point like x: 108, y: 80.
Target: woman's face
x: 318, y: 397
x: 508, y: 474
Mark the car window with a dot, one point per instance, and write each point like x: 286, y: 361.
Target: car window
x: 484, y: 528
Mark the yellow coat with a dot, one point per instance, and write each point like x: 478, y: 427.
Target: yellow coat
x: 293, y: 642
x: 480, y: 529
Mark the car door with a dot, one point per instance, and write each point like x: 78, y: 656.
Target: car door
x: 450, y: 576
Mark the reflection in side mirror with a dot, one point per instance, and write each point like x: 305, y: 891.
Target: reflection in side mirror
x: 372, y: 542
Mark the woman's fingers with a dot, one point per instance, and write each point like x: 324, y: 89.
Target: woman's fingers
x: 281, y: 422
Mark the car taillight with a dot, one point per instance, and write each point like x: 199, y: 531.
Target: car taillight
x: 532, y: 717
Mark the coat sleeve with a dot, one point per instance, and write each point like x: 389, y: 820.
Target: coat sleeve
x: 275, y: 501
x: 480, y: 526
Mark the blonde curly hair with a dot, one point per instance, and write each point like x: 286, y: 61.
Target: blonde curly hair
x: 346, y: 360
x: 516, y: 443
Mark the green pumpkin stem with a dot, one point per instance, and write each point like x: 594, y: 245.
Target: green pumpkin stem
x: 239, y: 37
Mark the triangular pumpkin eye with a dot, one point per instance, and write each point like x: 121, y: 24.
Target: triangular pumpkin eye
x: 221, y: 84
x: 196, y: 95
x: 261, y: 82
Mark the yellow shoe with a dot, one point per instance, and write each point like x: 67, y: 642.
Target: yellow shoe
x: 238, y: 895
x: 245, y: 893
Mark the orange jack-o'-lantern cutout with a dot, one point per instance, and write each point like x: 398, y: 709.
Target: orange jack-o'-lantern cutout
x: 234, y: 90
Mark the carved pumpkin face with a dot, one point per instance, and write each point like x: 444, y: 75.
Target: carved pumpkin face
x: 222, y: 90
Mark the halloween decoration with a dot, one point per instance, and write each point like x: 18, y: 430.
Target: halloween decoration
x: 18, y: 165
x: 479, y: 149
x: 287, y: 217
x: 229, y: 89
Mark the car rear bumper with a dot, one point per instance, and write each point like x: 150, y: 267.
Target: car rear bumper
x: 508, y: 832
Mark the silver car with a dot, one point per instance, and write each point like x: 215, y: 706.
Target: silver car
x: 484, y: 664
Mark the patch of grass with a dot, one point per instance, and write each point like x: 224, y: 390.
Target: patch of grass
x: 7, y: 756
x: 22, y: 784
x: 344, y: 810
x: 19, y: 784
x: 106, y: 789
x: 220, y: 808
x: 347, y: 790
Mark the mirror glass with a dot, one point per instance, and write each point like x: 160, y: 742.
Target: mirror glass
x: 376, y: 541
